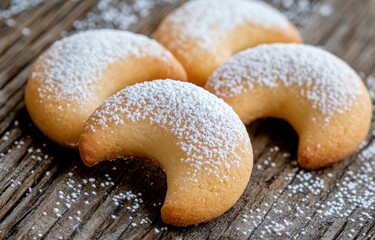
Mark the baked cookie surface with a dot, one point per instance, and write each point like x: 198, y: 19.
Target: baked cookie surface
x: 320, y: 95
x: 77, y: 73
x: 196, y: 138
x: 204, y: 34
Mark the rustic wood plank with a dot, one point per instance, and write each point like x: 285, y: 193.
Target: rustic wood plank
x: 46, y: 192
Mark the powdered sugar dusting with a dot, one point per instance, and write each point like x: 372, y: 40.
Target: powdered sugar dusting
x: 331, y: 84
x: 207, y: 129
x: 74, y: 64
x: 198, y: 18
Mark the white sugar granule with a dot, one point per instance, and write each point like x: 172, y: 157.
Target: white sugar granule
x: 370, y: 81
x: 324, y: 9
x: 330, y: 84
x: 26, y: 31
x: 10, y: 22
x: 207, y: 129
x: 75, y: 63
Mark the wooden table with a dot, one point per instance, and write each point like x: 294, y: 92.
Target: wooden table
x: 46, y: 191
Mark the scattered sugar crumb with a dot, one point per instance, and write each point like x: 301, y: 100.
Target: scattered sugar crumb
x: 26, y: 31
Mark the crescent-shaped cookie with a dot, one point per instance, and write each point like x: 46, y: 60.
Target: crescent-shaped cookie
x: 196, y: 138
x: 77, y: 73
x: 204, y: 34
x: 320, y: 95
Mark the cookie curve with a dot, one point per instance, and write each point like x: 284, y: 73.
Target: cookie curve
x: 70, y: 79
x: 331, y: 117
x: 199, y: 189
x: 203, y: 34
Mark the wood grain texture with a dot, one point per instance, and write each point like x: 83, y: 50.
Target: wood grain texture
x: 47, y: 193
